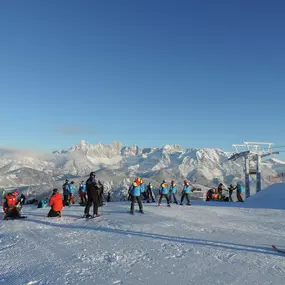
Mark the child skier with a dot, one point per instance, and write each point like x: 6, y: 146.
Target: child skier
x: 82, y: 193
x: 172, y: 191
x: 163, y: 192
x: 136, y: 195
x: 150, y: 193
x: 186, y: 192
x: 71, y: 193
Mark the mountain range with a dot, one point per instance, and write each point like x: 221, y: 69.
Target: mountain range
x: 117, y: 165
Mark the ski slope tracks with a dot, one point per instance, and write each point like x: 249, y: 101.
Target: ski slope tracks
x: 206, y: 243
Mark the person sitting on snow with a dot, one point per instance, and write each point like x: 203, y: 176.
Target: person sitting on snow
x: 55, y: 203
x: 10, y: 205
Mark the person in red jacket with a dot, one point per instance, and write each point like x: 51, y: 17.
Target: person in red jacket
x: 56, y: 204
x: 10, y: 205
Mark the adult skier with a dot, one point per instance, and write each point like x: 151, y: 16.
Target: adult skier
x: 66, y: 193
x: 163, y: 192
x: 150, y: 193
x: 172, y: 191
x: 71, y: 198
x: 186, y: 192
x: 55, y: 203
x: 93, y: 192
x: 82, y: 193
x: 136, y: 195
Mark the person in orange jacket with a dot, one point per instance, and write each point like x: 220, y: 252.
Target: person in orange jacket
x: 10, y: 205
x: 56, y: 204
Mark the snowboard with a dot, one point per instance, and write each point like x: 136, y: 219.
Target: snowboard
x: 278, y: 249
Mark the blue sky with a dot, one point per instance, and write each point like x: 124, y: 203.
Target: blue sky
x: 194, y: 73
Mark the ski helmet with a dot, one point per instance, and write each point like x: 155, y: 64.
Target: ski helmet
x: 55, y: 190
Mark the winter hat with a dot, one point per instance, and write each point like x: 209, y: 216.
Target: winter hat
x: 55, y: 190
x: 72, y: 182
x: 92, y: 173
x: 66, y: 180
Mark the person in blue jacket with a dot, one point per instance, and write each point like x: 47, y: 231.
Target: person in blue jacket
x: 66, y: 193
x: 82, y: 193
x: 239, y: 192
x: 163, y: 192
x: 143, y: 190
x: 186, y: 192
x: 149, y: 193
x: 136, y: 195
x: 71, y: 193
x: 172, y: 192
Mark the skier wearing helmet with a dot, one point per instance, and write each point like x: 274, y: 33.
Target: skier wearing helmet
x: 186, y: 193
x: 172, y: 191
x: 136, y: 195
x: 163, y: 191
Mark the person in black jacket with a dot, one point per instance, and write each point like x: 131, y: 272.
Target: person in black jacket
x: 101, y: 197
x: 93, y: 193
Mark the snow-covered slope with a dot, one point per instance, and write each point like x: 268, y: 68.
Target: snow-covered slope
x: 207, y: 243
x: 205, y: 166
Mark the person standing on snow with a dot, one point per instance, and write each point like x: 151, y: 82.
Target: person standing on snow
x: 101, y: 196
x: 82, y: 193
x: 55, y: 203
x: 66, y: 193
x: 172, y: 191
x: 186, y: 193
x: 239, y: 191
x: 71, y: 193
x: 143, y: 192
x: 150, y: 193
x: 93, y: 193
x: 136, y: 195
x: 231, y: 190
x: 220, y: 191
x: 163, y: 192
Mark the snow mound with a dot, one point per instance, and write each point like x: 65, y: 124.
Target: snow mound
x: 273, y: 197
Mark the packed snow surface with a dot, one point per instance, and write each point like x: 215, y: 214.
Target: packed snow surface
x: 206, y: 243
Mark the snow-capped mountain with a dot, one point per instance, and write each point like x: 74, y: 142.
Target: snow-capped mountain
x: 117, y: 165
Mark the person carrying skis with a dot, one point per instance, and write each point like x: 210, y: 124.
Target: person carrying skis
x: 172, y: 191
x: 186, y: 192
x: 66, y: 193
x: 239, y: 191
x: 82, y: 193
x: 71, y: 193
x: 55, y: 203
x: 10, y: 205
x: 150, y: 193
x: 136, y: 195
x: 93, y: 192
x: 163, y: 192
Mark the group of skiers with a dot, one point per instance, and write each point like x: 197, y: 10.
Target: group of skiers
x: 138, y: 191
x: 91, y: 194
x: 217, y: 193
